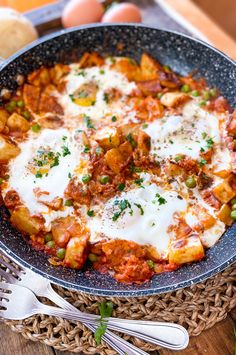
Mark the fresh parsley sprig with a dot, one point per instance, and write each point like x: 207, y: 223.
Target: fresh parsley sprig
x: 105, y: 309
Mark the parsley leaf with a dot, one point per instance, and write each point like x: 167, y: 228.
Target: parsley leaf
x: 139, y: 182
x: 160, y: 200
x: 140, y: 208
x: 88, y: 122
x: 122, y: 205
x: 105, y: 309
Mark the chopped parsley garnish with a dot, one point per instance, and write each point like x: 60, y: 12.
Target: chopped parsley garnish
x: 204, y: 135
x: 88, y: 122
x: 114, y: 119
x: 55, y: 161
x: 161, y: 200
x: 86, y: 148
x: 170, y: 141
x: 121, y: 187
x: 38, y: 175
x: 130, y: 138
x: 65, y: 151
x: 145, y: 125
x: 202, y: 150
x: 106, y: 97
x: 122, y: 205
x: 72, y: 98
x: 139, y: 182
x: 140, y: 208
x: 105, y: 309
x: 202, y: 162
x: 81, y: 72
x: 135, y: 169
x: 210, y: 143
x: 101, y: 71
x: 90, y: 213
x: 69, y: 176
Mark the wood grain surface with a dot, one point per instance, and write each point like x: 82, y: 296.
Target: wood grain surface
x: 219, y: 340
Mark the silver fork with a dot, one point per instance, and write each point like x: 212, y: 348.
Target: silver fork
x: 168, y: 335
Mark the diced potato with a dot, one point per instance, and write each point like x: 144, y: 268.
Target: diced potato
x: 224, y: 215
x: 57, y: 72
x: 91, y: 59
x: 40, y: 77
x: 114, y: 160
x: 18, y: 123
x: 76, y: 252
x: 49, y: 104
x: 63, y: 229
x: 172, y: 169
x: 128, y: 67
x: 153, y: 254
x: 86, y: 94
x: 205, y: 218
x: 150, y: 87
x: 186, y: 250
x: 3, y: 118
x: 126, y: 151
x: 31, y: 96
x: 108, y: 138
x: 224, y: 192
x: 8, y: 150
x: 128, y: 128
x: 118, y: 158
x: 173, y: 99
x: 144, y: 142
x: 149, y: 67
x: 22, y: 220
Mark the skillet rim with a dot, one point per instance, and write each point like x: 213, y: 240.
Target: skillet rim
x: 95, y: 291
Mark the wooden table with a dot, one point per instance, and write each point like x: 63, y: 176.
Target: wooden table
x: 220, y: 339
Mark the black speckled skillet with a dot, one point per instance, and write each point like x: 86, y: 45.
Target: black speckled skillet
x: 184, y: 55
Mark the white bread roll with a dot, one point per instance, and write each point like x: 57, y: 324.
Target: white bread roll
x: 15, y: 31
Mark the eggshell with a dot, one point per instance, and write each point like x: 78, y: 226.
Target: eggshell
x: 79, y: 12
x: 15, y: 31
x: 124, y: 12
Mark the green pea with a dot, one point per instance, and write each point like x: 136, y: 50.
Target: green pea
x: 190, y: 182
x: 151, y: 264
x: 195, y: 93
x: 234, y: 207
x: 233, y: 201
x: 98, y: 150
x: 10, y: 106
x: 86, y: 178
x: 50, y: 244
x: 213, y: 92
x: 206, y: 95
x: 185, y: 88
x: 202, y: 103
x: 20, y: 103
x: 92, y: 257
x: 36, y: 128
x: 48, y: 237
x: 68, y: 203
x: 104, y: 179
x: 178, y: 157
x: 233, y: 214
x: 61, y: 253
x: 26, y: 115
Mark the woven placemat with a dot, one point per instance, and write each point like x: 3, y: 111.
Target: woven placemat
x: 197, y: 308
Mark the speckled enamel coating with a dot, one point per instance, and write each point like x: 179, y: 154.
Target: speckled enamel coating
x: 184, y: 55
